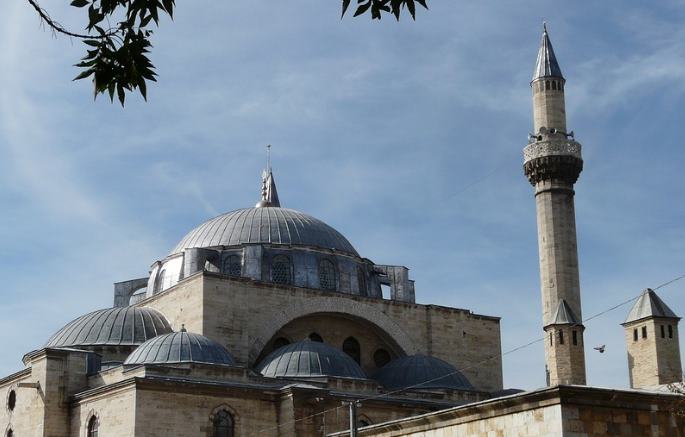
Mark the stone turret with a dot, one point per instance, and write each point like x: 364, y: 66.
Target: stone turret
x: 552, y: 163
x: 651, y: 330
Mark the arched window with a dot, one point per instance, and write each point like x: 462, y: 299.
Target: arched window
x: 223, y: 424
x: 161, y: 281
x: 10, y: 433
x: 11, y: 400
x: 361, y: 282
x: 326, y: 275
x: 554, y: 85
x: 351, y: 347
x: 381, y: 357
x: 315, y: 337
x: 280, y: 342
x: 93, y: 427
x: 280, y: 270
x: 546, y: 85
x: 232, y: 266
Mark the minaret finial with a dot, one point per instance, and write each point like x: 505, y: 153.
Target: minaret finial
x: 269, y: 195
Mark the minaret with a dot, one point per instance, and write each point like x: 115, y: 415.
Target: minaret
x: 651, y: 330
x: 552, y: 163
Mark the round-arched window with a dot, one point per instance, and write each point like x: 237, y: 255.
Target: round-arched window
x: 381, y: 357
x: 326, y: 275
x: 351, y: 347
x: 232, y: 266
x: 10, y: 433
x: 280, y: 270
x: 223, y: 424
x: 280, y: 342
x: 93, y: 426
x: 315, y: 337
x: 12, y: 400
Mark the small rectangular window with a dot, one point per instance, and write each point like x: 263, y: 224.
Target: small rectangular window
x: 663, y: 332
x: 575, y: 338
x: 635, y: 334
x: 551, y: 338
x: 670, y: 331
x: 644, y: 332
x: 561, y: 337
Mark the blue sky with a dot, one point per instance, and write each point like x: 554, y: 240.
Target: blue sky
x: 406, y: 137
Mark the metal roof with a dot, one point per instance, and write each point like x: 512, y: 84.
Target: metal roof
x: 429, y: 372
x: 306, y: 359
x: 112, y: 326
x: 180, y: 347
x: 649, y: 304
x: 564, y: 315
x: 270, y: 225
x: 546, y: 65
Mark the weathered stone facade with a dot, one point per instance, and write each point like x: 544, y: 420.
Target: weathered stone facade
x: 653, y: 352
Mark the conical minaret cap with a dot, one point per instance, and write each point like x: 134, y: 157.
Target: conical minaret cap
x: 649, y: 304
x: 546, y: 65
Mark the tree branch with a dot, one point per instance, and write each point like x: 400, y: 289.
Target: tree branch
x: 59, y: 28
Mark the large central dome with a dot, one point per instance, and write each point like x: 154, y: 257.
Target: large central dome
x: 265, y: 225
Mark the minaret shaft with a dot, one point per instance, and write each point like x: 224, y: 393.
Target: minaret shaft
x: 552, y: 163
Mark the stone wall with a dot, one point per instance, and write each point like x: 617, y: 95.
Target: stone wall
x: 563, y: 411
x: 652, y: 359
x: 115, y: 410
x: 246, y: 315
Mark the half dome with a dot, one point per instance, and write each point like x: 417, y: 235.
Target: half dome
x: 265, y: 225
x: 180, y: 347
x: 421, y: 372
x: 127, y: 326
x: 307, y: 359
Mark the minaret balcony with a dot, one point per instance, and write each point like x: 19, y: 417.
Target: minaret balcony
x: 553, y: 147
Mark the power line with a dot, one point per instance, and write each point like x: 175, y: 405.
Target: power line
x: 458, y: 371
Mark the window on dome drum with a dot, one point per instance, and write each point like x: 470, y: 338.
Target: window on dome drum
x: 280, y: 342
x: 361, y: 281
x: 280, y: 270
x: 232, y: 266
x: 223, y: 424
x: 352, y: 348
x: 381, y: 357
x: 11, y: 400
x: 644, y: 332
x: 93, y: 427
x: 326, y: 275
x: 315, y: 337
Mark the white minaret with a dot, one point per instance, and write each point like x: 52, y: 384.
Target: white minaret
x: 552, y: 163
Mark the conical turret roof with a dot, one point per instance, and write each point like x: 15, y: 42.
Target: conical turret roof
x: 546, y: 65
x: 564, y: 315
x: 649, y: 304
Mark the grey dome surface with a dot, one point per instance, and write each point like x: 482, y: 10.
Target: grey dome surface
x: 306, y: 359
x: 265, y: 225
x: 180, y: 347
x: 112, y: 326
x: 412, y: 370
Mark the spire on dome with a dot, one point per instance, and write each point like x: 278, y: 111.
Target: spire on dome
x: 269, y: 196
x: 546, y: 65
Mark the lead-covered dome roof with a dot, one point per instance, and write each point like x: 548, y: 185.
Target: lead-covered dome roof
x: 128, y: 326
x: 421, y: 372
x: 265, y: 225
x: 180, y: 347
x: 307, y: 359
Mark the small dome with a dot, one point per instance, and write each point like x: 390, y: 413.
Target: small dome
x: 112, y: 327
x: 416, y: 369
x: 267, y: 225
x: 180, y: 347
x: 307, y: 359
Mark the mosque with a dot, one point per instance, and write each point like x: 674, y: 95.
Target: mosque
x: 266, y: 321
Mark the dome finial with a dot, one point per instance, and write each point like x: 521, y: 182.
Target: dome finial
x: 269, y: 195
